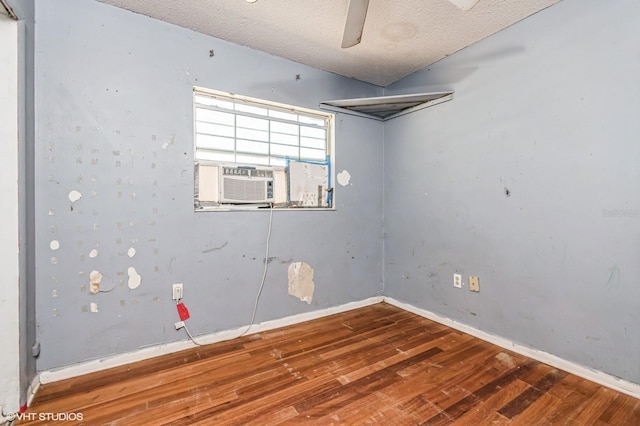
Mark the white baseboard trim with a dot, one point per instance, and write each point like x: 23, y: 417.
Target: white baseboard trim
x: 604, y: 379
x: 93, y: 366
x: 32, y: 390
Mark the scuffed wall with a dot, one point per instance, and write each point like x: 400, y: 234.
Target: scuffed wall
x: 114, y: 188
x: 301, y: 281
x: 529, y: 180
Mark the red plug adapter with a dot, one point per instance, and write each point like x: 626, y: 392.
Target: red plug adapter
x: 183, y: 312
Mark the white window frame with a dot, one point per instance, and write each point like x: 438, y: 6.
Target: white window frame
x: 217, y: 137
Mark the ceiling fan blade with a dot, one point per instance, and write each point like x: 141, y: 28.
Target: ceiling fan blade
x: 464, y: 4
x: 354, y: 24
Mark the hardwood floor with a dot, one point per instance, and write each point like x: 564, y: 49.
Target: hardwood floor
x: 375, y: 365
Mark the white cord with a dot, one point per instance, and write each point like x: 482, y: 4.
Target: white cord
x: 191, y: 337
x: 255, y: 306
x: 264, y: 273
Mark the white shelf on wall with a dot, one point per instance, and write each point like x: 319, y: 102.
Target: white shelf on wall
x: 386, y: 107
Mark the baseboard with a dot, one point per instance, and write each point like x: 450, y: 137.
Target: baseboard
x: 80, y: 369
x: 168, y: 348
x: 33, y: 388
x: 604, y: 379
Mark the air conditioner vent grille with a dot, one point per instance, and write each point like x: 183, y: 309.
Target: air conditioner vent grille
x: 247, y: 190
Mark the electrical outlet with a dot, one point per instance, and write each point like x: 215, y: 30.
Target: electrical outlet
x: 474, y: 283
x: 177, y: 291
x: 457, y: 280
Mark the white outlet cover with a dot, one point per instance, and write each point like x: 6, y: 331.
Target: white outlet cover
x: 457, y: 280
x: 177, y: 291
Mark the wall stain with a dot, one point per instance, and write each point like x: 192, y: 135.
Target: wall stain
x: 215, y: 248
x: 614, y: 275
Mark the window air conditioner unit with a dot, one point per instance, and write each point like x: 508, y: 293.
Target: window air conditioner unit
x: 244, y: 184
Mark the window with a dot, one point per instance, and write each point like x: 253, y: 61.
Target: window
x: 243, y: 143
x: 237, y: 129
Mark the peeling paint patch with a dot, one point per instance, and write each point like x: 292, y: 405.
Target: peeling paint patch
x: 93, y: 307
x: 54, y: 245
x: 54, y: 293
x: 94, y: 282
x: 134, y: 278
x: 344, y: 177
x: 301, y: 281
x: 74, y: 196
x: 171, y: 140
x: 93, y: 253
x: 131, y: 252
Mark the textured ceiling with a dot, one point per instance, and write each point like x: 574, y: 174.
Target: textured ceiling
x: 399, y: 37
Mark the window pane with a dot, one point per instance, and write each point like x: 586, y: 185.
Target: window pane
x: 313, y: 120
x: 284, y: 139
x: 214, y: 116
x: 313, y: 132
x: 312, y: 143
x: 252, y: 147
x: 284, y: 151
x: 252, y: 159
x: 251, y: 109
x: 276, y: 161
x: 214, y: 142
x: 283, y: 115
x: 223, y: 157
x: 252, y: 134
x: 214, y: 129
x: 241, y: 131
x: 291, y: 129
x: 206, y: 100
x: 312, y: 154
x: 252, y: 123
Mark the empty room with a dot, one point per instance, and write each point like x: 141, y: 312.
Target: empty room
x: 322, y: 212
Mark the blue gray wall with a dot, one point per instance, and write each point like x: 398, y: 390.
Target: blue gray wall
x: 114, y: 122
x: 548, y: 110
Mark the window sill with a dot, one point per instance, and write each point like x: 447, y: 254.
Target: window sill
x: 261, y: 207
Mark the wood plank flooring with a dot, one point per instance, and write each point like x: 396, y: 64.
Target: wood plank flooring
x: 375, y: 365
